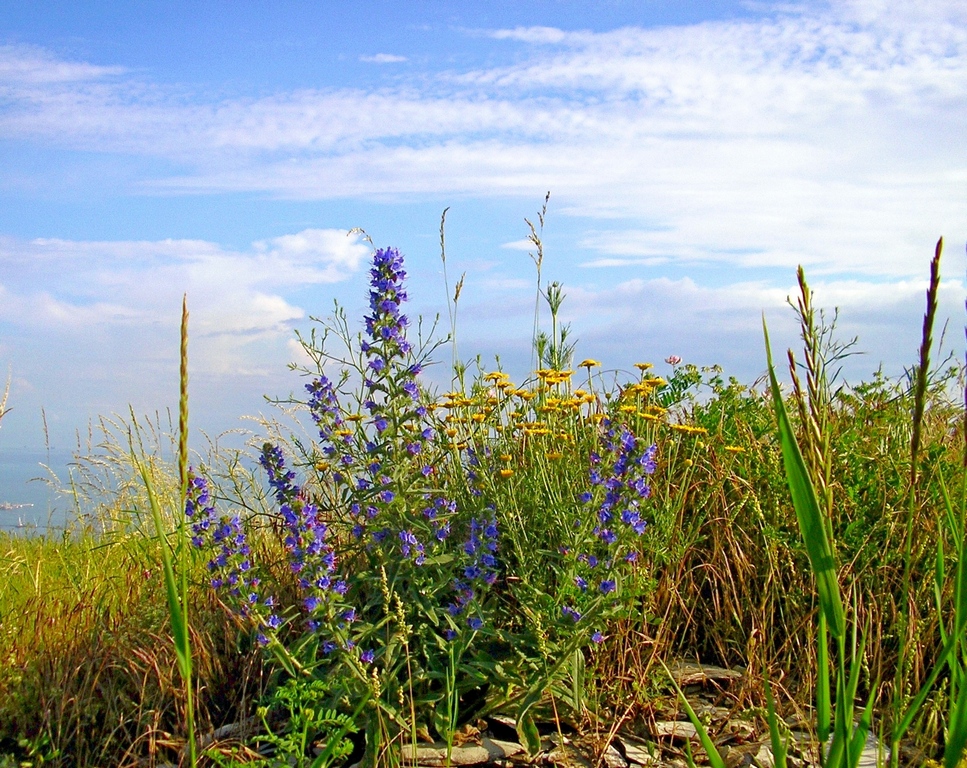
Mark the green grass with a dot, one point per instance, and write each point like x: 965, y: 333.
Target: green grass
x: 91, y: 672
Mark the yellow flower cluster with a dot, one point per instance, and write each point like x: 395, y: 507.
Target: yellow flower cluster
x: 689, y: 429
x: 551, y: 377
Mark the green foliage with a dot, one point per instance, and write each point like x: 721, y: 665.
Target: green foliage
x: 305, y: 724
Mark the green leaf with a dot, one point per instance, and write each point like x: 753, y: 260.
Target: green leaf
x: 862, y: 729
x: 577, y: 682
x: 780, y: 745
x: 948, y: 650
x: 823, y: 696
x: 528, y: 734
x: 808, y: 512
x: 179, y: 626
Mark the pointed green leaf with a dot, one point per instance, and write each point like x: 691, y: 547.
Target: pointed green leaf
x: 528, y: 734
x: 780, y: 744
x: 823, y: 696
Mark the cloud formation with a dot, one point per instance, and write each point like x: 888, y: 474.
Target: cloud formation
x: 828, y: 136
x: 68, y: 287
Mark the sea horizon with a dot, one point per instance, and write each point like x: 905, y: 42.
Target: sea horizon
x: 28, y: 482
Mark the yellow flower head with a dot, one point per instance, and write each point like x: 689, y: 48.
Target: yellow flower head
x: 644, y: 366
x: 506, y: 472
x: 589, y: 363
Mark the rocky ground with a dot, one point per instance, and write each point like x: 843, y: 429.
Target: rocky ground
x: 666, y: 740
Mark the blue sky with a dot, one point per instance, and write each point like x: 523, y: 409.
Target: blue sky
x: 696, y: 153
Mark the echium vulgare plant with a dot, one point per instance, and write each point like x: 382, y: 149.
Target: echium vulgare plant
x: 395, y: 578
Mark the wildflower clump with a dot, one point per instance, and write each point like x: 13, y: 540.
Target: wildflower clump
x: 425, y: 536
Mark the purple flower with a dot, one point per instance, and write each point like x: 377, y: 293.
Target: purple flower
x: 571, y: 613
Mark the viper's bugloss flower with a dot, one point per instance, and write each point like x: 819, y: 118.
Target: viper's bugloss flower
x: 618, y: 478
x: 311, y: 555
x: 281, y: 479
x: 481, y: 546
x: 230, y: 562
x: 624, y: 481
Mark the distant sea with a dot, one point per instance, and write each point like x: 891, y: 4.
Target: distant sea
x: 22, y: 475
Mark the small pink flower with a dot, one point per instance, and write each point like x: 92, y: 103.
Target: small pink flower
x: 673, y: 360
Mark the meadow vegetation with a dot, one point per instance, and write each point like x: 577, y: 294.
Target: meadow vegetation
x: 386, y: 563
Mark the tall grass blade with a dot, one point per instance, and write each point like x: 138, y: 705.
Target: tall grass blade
x: 183, y: 548
x: 780, y: 744
x: 824, y: 697
x: 862, y: 730
x: 806, y: 504
x: 176, y: 589
x: 176, y: 610
x: 923, y: 369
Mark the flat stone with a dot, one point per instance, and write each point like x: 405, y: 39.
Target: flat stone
x: 764, y: 757
x: 636, y: 751
x: 498, y: 749
x: 688, y: 673
x: 612, y: 758
x: 872, y: 753
x: 435, y: 755
x: 673, y: 729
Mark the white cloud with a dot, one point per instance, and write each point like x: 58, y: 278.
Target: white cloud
x: 519, y: 245
x: 22, y: 64
x: 383, y: 58
x: 235, y: 298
